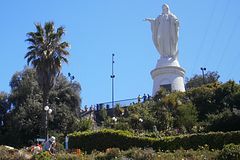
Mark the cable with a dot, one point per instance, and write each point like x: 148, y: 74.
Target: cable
x: 233, y: 66
x: 218, y: 31
x: 203, y: 39
x: 228, y: 42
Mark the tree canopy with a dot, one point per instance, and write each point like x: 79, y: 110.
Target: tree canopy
x: 23, y: 121
x: 197, y: 80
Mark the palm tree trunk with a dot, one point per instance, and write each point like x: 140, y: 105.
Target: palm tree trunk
x: 45, y: 97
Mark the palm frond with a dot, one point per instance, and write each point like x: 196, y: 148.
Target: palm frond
x: 46, y: 52
x: 39, y: 28
x: 64, y: 59
x: 31, y: 40
x: 64, y: 45
x: 60, y: 31
x: 49, y: 28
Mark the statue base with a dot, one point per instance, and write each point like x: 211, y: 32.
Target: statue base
x: 168, y: 74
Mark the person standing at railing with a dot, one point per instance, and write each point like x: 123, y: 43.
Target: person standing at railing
x: 139, y: 98
x: 144, y: 98
x: 148, y: 97
x: 85, y: 108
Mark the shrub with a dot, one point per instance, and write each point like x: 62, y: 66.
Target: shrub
x: 141, y: 154
x: 59, y: 147
x: 69, y: 156
x: 200, y: 154
x: 187, y: 116
x: 225, y: 121
x: 10, y: 154
x: 230, y: 152
x: 215, y: 140
x: 43, y: 155
x: 111, y: 153
x: 121, y: 126
x: 107, y: 138
x: 84, y: 124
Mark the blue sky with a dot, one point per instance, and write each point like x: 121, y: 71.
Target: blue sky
x: 209, y: 37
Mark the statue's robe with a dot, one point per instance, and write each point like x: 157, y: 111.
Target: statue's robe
x: 165, y: 34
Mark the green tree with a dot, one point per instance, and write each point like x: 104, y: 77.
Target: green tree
x: 165, y: 119
x: 65, y: 92
x: 23, y: 85
x: 226, y: 120
x: 187, y: 116
x: 46, y: 54
x: 204, y: 100
x: 197, y: 80
x: 4, y: 107
x: 226, y: 95
x: 23, y: 122
x: 84, y: 124
x: 236, y: 98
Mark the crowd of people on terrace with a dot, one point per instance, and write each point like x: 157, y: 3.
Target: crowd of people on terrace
x: 97, y: 107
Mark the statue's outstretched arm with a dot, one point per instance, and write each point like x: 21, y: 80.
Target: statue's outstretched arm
x: 149, y: 19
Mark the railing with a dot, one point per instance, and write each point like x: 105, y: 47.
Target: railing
x: 108, y: 106
x: 121, y: 103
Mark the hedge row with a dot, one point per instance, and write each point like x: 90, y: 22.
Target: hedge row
x: 107, y: 138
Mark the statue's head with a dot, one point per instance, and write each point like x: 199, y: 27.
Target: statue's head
x: 165, y: 9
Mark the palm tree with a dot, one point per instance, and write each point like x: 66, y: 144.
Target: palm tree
x: 46, y: 54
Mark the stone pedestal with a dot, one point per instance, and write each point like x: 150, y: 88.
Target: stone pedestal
x: 168, y: 74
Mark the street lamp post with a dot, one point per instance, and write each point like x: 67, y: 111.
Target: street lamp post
x: 48, y: 112
x: 203, y: 75
x: 112, y: 76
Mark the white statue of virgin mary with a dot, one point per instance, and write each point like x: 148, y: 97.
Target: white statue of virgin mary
x: 165, y: 30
